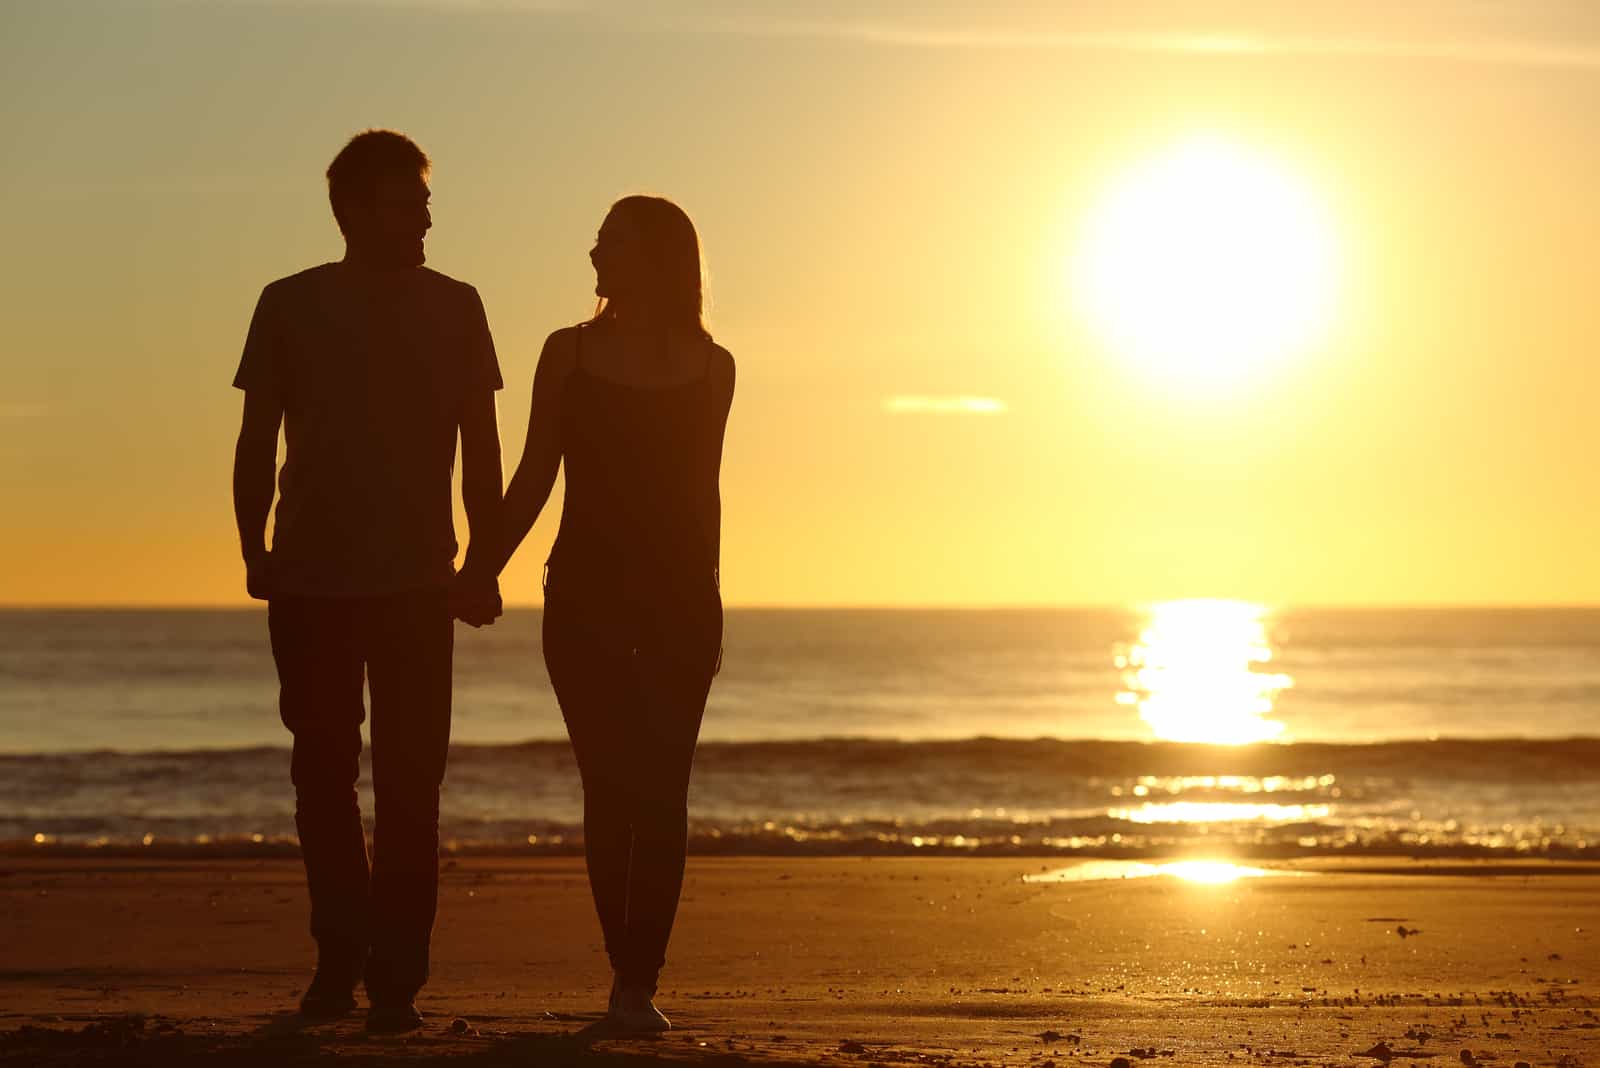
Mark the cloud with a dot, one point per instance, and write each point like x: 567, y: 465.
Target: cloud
x: 1481, y: 50
x: 1493, y: 35
x: 912, y: 404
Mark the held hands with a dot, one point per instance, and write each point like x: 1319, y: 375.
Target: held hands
x: 475, y: 598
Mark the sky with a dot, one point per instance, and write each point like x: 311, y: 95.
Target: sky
x: 889, y: 197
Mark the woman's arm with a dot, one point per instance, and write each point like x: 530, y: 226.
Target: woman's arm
x: 541, y: 453
x: 722, y: 380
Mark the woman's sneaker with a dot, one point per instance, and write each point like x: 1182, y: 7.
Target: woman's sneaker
x: 393, y: 1016
x: 332, y: 990
x: 328, y: 998
x: 637, y: 1014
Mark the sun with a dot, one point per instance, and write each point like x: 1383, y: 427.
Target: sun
x: 1207, y: 263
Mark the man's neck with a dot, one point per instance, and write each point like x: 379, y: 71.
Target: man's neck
x: 371, y: 262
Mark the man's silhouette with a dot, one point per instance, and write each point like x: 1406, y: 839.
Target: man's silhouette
x: 371, y: 365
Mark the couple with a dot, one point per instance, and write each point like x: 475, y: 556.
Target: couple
x: 372, y: 366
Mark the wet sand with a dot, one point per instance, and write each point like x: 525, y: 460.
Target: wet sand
x: 836, y: 961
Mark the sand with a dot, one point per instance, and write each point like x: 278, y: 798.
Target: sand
x: 837, y: 961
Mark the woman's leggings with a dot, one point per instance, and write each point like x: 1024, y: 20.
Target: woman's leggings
x: 632, y: 684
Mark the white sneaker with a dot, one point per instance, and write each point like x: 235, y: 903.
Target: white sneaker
x: 638, y: 1015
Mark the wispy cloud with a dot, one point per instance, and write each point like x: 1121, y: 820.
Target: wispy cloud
x: 912, y: 404
x: 1492, y: 35
x: 1507, y: 52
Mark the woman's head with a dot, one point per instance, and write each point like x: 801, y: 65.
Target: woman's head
x: 647, y: 264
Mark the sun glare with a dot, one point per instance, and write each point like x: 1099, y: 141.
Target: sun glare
x: 1203, y: 872
x: 1193, y: 674
x: 1207, y: 263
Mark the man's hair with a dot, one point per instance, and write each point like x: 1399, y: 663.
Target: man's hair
x: 371, y: 155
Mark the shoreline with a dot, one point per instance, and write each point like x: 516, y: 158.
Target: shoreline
x: 797, y: 960
x: 1391, y: 859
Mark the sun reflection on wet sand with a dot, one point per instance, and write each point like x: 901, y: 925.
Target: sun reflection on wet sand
x: 1193, y: 673
x: 1205, y: 872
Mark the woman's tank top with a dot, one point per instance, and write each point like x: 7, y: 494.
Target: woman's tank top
x: 641, y: 509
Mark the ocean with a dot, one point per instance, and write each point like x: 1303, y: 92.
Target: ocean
x: 1209, y: 728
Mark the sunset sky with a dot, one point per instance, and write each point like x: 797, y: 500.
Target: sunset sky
x: 891, y: 199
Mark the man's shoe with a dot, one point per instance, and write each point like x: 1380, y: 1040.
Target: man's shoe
x: 328, y: 997
x: 393, y: 1017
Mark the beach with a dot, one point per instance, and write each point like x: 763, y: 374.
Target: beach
x: 841, y: 960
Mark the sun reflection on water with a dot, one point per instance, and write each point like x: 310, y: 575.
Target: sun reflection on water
x: 1194, y: 676
x: 1220, y: 812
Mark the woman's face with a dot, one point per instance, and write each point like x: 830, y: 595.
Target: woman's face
x: 618, y: 258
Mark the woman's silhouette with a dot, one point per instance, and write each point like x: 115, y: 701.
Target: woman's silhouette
x: 634, y: 403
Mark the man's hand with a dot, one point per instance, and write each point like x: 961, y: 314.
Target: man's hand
x: 475, y: 599
x: 258, y: 576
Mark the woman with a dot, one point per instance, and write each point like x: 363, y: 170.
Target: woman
x: 634, y: 402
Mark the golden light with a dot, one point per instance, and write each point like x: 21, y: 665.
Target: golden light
x: 1220, y: 812
x: 1193, y: 673
x: 1207, y: 262
x: 1203, y: 872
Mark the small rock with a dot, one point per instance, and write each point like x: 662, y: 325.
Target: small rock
x: 1467, y: 1057
x: 1049, y: 1036
x: 1381, y: 1051
x: 460, y: 1026
x: 1121, y: 1062
x: 852, y: 1047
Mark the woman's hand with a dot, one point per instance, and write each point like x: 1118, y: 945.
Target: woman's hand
x: 475, y: 598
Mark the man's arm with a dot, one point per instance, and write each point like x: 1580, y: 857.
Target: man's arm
x: 255, y: 469
x: 481, y: 484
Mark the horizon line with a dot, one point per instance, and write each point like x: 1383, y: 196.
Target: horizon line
x: 860, y: 606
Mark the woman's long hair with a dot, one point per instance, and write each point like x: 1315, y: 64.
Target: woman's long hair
x: 677, y: 275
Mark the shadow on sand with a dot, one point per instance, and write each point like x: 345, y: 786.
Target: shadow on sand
x: 290, y: 1039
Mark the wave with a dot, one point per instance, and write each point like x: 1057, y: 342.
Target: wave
x: 1497, y: 759
x: 989, y: 796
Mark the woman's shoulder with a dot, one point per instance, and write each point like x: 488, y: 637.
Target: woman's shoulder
x: 560, y: 351
x: 720, y: 365
x: 564, y: 337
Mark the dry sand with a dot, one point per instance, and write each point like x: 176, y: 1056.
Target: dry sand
x: 838, y: 961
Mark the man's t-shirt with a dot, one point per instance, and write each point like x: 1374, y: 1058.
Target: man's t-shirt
x: 372, y: 371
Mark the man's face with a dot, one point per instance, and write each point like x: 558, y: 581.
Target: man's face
x: 392, y: 232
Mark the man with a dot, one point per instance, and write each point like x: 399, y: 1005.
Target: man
x: 371, y: 365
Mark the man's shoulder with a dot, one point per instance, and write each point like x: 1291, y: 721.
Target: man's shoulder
x: 443, y: 283
x: 292, y: 285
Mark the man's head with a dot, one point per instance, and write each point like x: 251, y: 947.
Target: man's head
x: 378, y: 185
